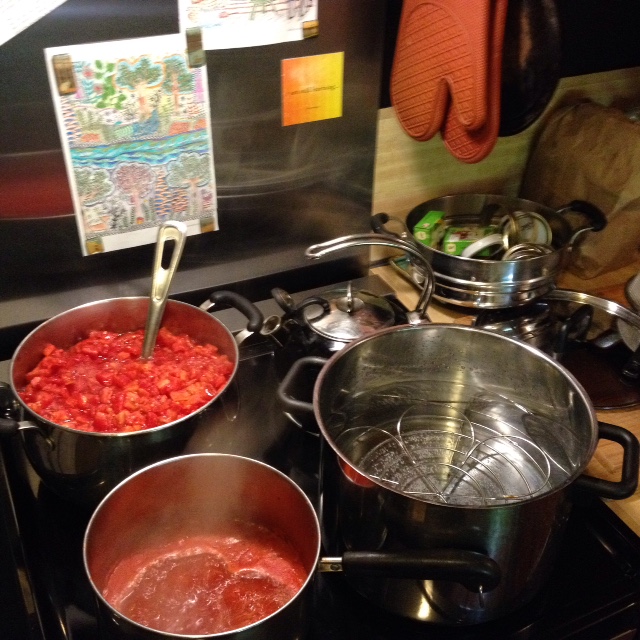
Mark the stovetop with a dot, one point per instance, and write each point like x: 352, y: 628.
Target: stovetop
x: 593, y: 593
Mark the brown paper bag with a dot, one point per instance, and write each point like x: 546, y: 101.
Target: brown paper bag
x: 590, y: 152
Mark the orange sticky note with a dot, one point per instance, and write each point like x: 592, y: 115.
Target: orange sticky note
x: 312, y: 88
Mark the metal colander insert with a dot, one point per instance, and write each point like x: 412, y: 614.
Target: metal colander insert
x: 488, y: 450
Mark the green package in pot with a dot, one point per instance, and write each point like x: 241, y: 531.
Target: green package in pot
x: 430, y: 229
x: 457, y: 239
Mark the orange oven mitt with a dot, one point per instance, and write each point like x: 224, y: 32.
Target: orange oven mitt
x: 445, y: 71
x: 472, y: 145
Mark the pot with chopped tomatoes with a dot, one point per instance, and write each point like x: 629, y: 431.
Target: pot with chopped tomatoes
x: 95, y: 411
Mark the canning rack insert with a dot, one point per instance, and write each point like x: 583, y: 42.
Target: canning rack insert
x: 475, y: 448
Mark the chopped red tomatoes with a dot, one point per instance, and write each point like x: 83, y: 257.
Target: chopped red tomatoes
x: 101, y: 384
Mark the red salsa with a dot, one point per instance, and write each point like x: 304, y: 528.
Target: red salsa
x: 101, y: 384
x: 209, y: 583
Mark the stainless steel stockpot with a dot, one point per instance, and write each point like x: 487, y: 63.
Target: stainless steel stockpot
x: 84, y: 466
x: 187, y: 495
x: 397, y: 476
x: 493, y: 284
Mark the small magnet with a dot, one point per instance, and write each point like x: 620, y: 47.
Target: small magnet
x: 195, y: 49
x: 94, y: 245
x: 63, y: 70
x: 310, y: 29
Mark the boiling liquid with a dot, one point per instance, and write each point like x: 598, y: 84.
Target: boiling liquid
x: 207, y: 584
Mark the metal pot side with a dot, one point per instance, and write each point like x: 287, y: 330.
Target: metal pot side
x: 522, y: 537
x: 186, y: 495
x: 83, y: 466
x: 492, y: 284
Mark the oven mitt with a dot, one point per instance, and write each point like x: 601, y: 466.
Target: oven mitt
x: 474, y: 145
x: 441, y: 56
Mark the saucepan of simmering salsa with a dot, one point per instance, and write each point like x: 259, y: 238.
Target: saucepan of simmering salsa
x: 94, y: 411
x: 204, y: 545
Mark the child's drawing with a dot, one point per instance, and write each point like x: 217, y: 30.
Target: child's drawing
x: 137, y: 136
x: 243, y: 23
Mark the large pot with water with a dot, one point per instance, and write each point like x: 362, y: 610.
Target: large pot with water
x: 453, y: 436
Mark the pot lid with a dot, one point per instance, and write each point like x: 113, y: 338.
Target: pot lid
x: 352, y: 314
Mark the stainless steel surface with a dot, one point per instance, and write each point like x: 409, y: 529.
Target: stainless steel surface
x: 531, y: 323
x: 189, y: 495
x: 279, y: 188
x: 371, y: 239
x: 632, y: 291
x: 352, y: 315
x: 169, y: 232
x: 492, y: 284
x: 487, y: 451
x: 325, y: 323
x: 526, y: 250
x: 609, y: 316
x: 374, y: 381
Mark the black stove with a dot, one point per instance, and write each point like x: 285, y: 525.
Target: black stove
x: 593, y: 593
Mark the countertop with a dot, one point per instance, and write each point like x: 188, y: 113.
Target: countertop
x: 607, y: 460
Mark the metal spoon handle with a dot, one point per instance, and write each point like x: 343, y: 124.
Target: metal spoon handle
x: 171, y: 230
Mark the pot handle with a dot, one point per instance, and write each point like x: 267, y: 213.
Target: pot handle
x: 630, y: 466
x: 8, y: 427
x: 595, y: 216
x: 415, y: 250
x: 285, y: 387
x: 313, y: 301
x: 573, y: 329
x: 10, y: 417
x: 475, y: 571
x: 253, y: 314
x: 379, y: 222
x: 284, y: 300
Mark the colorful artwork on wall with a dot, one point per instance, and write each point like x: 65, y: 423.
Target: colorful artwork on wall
x: 134, y: 121
x: 228, y: 24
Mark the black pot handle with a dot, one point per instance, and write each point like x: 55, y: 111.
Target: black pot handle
x: 597, y: 219
x: 232, y: 299
x: 379, y: 222
x: 8, y: 427
x: 475, y: 571
x: 573, y: 329
x: 630, y: 466
x: 8, y: 411
x: 284, y: 301
x: 285, y: 387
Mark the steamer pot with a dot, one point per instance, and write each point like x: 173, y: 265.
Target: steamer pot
x: 395, y: 475
x: 495, y: 284
x: 83, y: 466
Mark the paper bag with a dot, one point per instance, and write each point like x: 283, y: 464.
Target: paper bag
x: 590, y: 152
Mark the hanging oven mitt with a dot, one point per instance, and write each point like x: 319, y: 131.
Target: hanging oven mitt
x: 469, y: 145
x: 441, y: 56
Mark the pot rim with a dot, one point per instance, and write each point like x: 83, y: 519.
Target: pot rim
x: 532, y: 350
x: 176, y: 460
x: 444, y: 259
x: 119, y: 434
